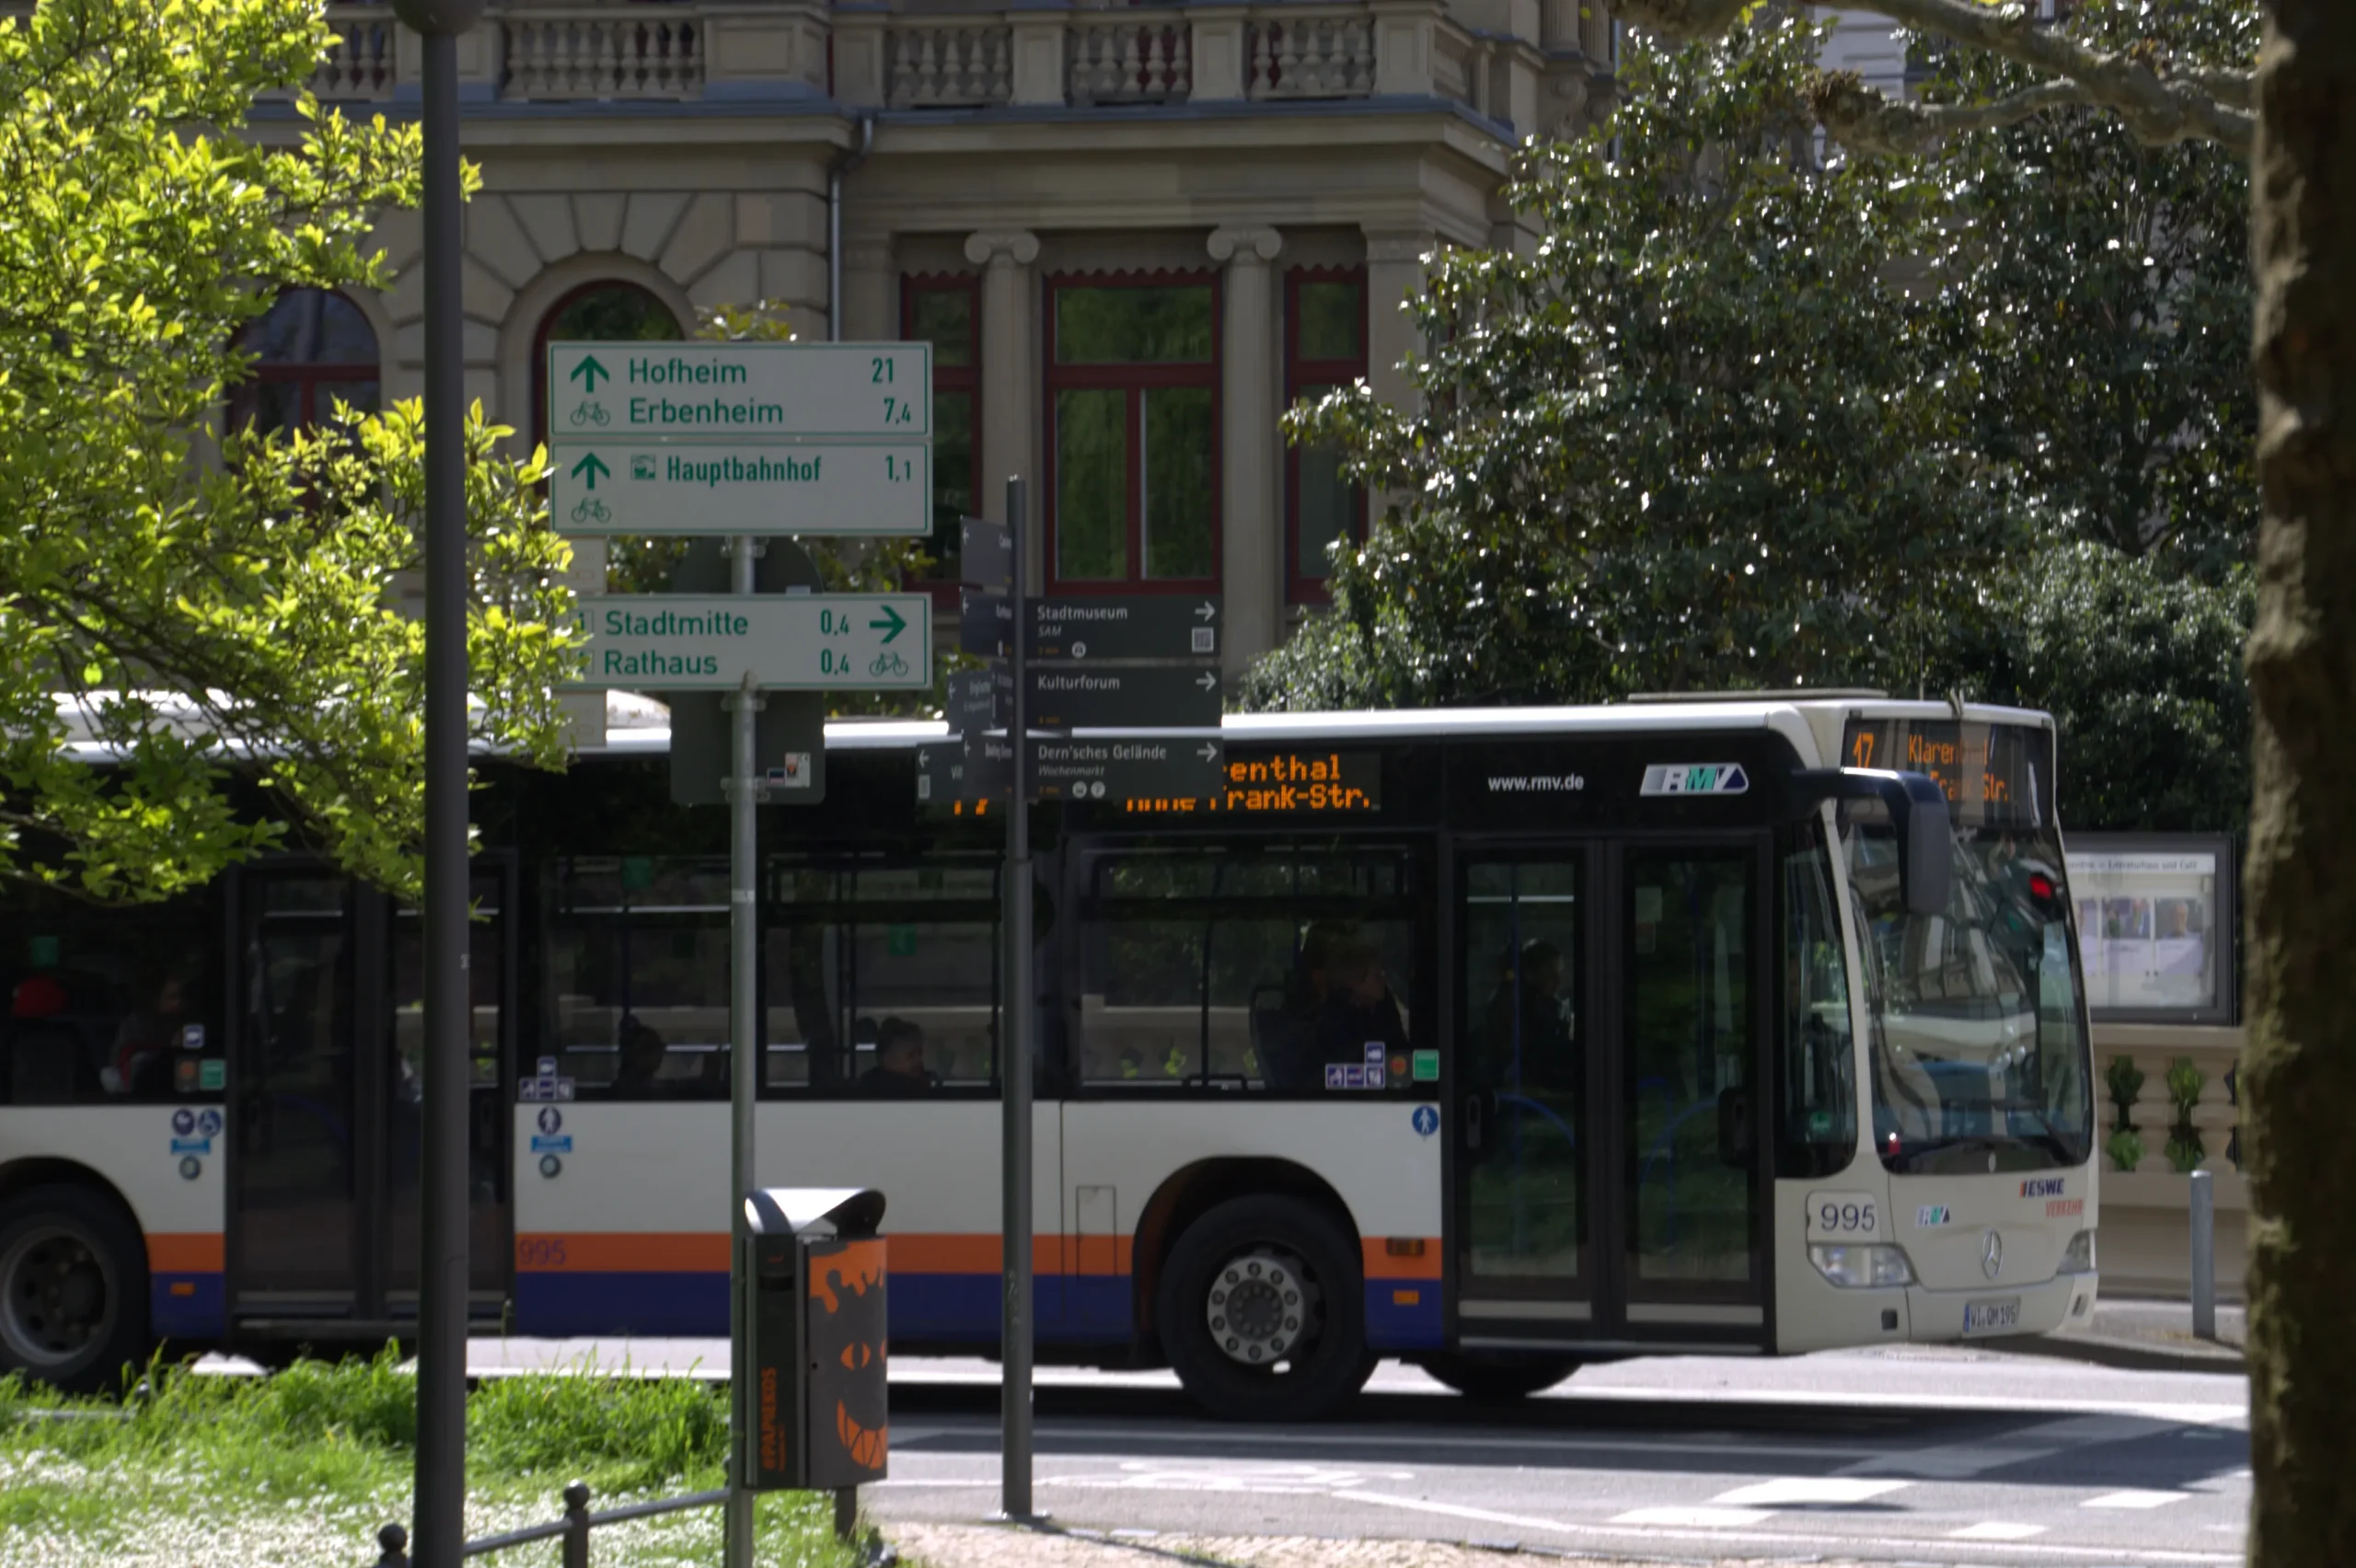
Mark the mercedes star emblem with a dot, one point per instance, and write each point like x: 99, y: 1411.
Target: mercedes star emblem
x: 1992, y: 1255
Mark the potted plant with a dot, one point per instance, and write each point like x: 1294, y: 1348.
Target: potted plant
x: 2125, y: 1081
x: 2185, y: 1084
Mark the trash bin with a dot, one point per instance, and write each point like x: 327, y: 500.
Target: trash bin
x: 816, y: 1356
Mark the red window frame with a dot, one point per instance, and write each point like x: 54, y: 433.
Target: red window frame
x: 539, y: 434
x: 965, y: 378
x: 1301, y: 372
x: 306, y: 376
x: 1135, y: 379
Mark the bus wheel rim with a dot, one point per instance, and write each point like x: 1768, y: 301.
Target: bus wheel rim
x: 57, y: 1296
x: 1261, y: 1307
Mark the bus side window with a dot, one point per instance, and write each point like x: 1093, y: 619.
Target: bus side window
x: 1817, y: 1120
x: 1227, y: 968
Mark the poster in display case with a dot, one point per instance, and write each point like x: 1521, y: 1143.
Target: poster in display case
x: 2156, y: 925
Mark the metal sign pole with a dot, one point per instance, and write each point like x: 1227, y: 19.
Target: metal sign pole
x: 440, y: 1507
x: 1014, y: 1070
x: 744, y: 1000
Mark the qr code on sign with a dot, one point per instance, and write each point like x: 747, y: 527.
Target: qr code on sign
x: 1206, y: 639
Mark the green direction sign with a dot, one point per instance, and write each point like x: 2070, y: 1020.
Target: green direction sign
x: 673, y: 486
x: 786, y: 642
x: 759, y: 391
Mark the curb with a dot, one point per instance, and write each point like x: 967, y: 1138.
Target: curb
x: 2126, y: 1355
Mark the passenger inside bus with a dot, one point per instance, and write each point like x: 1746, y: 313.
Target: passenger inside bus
x: 1358, y: 1010
x: 899, y: 1070
x: 143, y: 1044
x: 642, y: 1055
x: 1529, y: 1027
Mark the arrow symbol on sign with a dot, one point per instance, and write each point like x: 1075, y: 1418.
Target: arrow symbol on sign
x: 1206, y: 610
x: 593, y: 467
x: 587, y: 372
x: 892, y: 625
x: 1210, y: 751
x: 1208, y: 682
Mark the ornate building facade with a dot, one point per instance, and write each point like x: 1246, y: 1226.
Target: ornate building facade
x: 1132, y: 234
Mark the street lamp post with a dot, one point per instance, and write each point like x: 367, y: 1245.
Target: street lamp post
x: 438, y: 1532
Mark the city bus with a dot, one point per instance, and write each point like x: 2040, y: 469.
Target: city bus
x: 1497, y: 1041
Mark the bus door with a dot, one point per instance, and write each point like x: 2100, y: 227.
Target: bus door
x: 324, y: 1118
x: 1608, y: 1179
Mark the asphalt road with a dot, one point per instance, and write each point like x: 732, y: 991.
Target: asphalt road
x: 1914, y: 1455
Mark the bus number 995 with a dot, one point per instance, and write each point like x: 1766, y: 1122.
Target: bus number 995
x: 539, y: 1252
x: 1841, y: 1214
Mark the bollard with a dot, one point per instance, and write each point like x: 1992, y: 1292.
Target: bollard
x: 2204, y: 1256
x: 394, y: 1542
x: 576, y: 1525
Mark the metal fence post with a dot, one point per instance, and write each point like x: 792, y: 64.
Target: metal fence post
x: 393, y: 1545
x: 576, y: 1525
x: 2204, y: 1256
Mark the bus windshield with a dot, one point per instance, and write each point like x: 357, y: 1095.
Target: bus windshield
x: 1980, y: 1055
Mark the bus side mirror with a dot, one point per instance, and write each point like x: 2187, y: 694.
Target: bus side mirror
x: 1918, y: 810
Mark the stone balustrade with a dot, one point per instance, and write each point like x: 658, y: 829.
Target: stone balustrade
x: 869, y: 55
x: 603, y: 52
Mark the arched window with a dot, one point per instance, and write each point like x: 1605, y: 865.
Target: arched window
x: 603, y: 313
x: 310, y: 348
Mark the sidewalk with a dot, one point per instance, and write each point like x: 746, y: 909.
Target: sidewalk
x: 2144, y: 1336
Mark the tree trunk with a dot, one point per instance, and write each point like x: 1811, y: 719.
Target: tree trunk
x: 2300, y: 1056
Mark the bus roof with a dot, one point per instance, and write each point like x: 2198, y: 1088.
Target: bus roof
x: 638, y: 726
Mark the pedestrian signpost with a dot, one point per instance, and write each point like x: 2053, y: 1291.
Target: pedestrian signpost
x: 774, y: 391
x: 1125, y: 696
x: 751, y: 440
x: 633, y: 485
x: 1157, y: 627
x: 791, y: 642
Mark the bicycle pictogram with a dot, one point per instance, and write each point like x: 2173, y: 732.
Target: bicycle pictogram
x: 589, y: 509
x: 888, y: 663
x: 591, y: 412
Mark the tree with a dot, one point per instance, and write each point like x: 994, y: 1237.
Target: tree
x: 1696, y: 437
x: 2141, y: 666
x: 2293, y: 114
x: 2108, y: 280
x: 182, y: 608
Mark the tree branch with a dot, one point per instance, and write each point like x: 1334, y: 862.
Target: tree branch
x: 1867, y: 121
x: 2195, y: 104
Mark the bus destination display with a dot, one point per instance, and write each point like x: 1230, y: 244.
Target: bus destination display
x: 1991, y: 773
x: 1295, y: 781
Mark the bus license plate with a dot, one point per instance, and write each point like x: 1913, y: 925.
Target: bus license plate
x: 1991, y: 1317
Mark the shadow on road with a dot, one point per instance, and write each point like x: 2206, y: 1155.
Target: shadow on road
x: 1699, y: 1435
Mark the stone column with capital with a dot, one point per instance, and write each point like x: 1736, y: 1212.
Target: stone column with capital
x: 1394, y: 275
x: 1252, y: 529
x: 1010, y: 403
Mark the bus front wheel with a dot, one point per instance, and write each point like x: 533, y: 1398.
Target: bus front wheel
x: 73, y: 1289
x: 1480, y: 1377
x: 1263, y: 1312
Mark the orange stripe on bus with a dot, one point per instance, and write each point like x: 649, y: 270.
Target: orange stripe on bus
x: 185, y: 1251
x: 1383, y: 1263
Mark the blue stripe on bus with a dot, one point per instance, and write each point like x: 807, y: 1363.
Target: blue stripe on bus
x: 1395, y: 1323
x: 196, y: 1313
x: 925, y: 1308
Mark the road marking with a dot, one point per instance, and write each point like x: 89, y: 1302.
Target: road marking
x: 1784, y: 1540
x: 2134, y: 1499
x: 1693, y: 1518
x: 1948, y: 1461
x: 2209, y: 1413
x: 1798, y: 1489
x: 1996, y: 1530
x: 1227, y: 1438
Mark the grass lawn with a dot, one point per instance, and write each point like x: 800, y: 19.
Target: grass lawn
x: 302, y: 1468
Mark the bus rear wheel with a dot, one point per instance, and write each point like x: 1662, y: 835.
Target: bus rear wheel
x: 1481, y: 1377
x: 73, y: 1289
x: 1263, y: 1312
